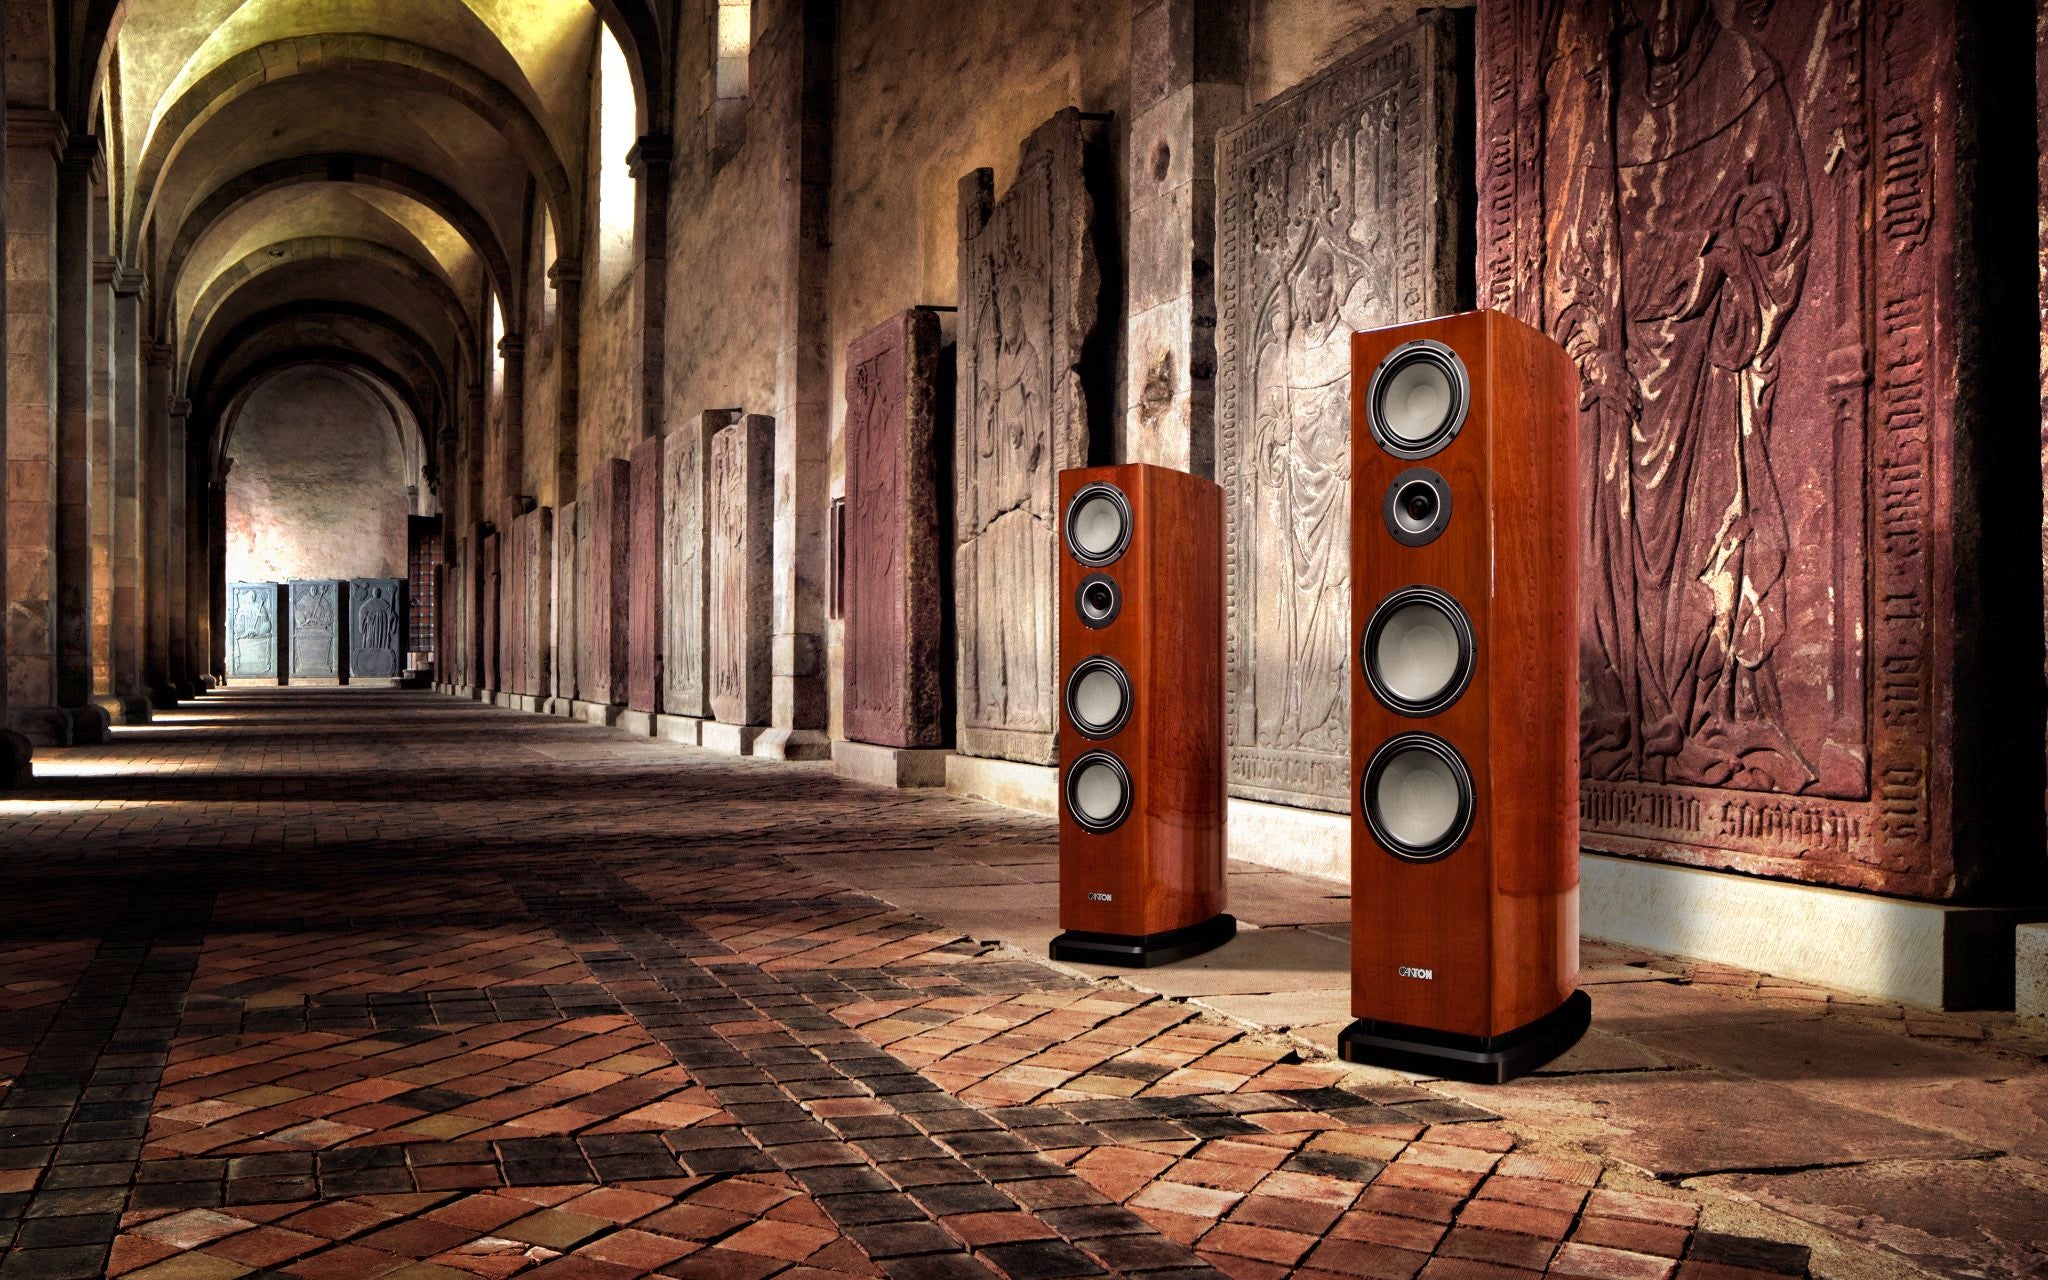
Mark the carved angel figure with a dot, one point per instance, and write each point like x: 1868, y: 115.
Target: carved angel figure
x: 1680, y: 239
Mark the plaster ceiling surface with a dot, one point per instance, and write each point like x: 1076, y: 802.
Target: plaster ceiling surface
x: 327, y: 209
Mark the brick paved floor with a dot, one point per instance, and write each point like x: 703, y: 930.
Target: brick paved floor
x: 333, y: 984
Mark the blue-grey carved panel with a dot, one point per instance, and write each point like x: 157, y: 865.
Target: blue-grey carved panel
x: 255, y: 633
x: 316, y: 636
x: 376, y: 628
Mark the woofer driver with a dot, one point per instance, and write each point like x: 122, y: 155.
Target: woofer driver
x: 1417, y: 398
x: 1417, y: 797
x: 1098, y: 524
x: 1099, y: 791
x: 1098, y: 697
x: 1417, y: 651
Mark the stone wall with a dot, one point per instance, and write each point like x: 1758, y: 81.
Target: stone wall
x: 317, y: 488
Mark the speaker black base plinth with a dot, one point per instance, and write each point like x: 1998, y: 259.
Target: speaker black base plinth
x: 1474, y: 1059
x: 1144, y: 951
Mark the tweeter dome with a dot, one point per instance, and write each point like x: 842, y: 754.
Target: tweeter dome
x: 1464, y: 699
x: 1141, y: 723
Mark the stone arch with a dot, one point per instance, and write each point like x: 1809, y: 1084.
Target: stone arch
x: 385, y: 383
x: 366, y: 170
x: 326, y: 249
x: 366, y: 59
x: 639, y: 29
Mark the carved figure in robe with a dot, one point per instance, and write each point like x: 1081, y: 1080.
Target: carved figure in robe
x: 255, y: 632
x: 1301, y: 441
x: 377, y: 631
x: 875, y: 543
x: 1679, y: 245
x: 729, y: 537
x: 1010, y: 548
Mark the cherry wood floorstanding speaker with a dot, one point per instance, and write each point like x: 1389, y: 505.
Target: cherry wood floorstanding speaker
x: 1141, y: 716
x: 1464, y: 699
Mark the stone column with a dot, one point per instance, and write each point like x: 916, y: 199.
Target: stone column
x: 1187, y: 81
x: 125, y: 392
x: 566, y: 277
x: 102, y: 501
x: 154, y: 479
x: 35, y: 141
x: 177, y: 525
x: 82, y: 168
x: 648, y: 162
x: 198, y: 573
x: 15, y: 750
x: 803, y: 413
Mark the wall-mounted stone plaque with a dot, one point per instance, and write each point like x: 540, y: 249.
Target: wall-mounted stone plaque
x: 1745, y: 231
x: 511, y: 605
x: 895, y: 611
x: 1337, y: 207
x: 1030, y: 300
x: 490, y: 610
x: 566, y: 612
x: 537, y: 549
x: 318, y: 636
x: 256, y: 612
x: 686, y: 563
x: 742, y: 560
x: 376, y: 630
x: 644, y: 598
x: 610, y: 513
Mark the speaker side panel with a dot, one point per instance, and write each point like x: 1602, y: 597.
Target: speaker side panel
x: 1180, y: 708
x: 1421, y: 932
x: 1535, y: 704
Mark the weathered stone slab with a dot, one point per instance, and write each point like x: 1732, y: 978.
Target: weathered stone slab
x: 489, y: 597
x: 686, y: 562
x: 566, y: 613
x: 255, y: 634
x: 1030, y: 387
x: 1336, y: 211
x: 610, y: 516
x: 742, y: 558
x: 644, y: 599
x: 1745, y: 234
x: 376, y: 630
x: 511, y: 606
x: 318, y: 643
x: 537, y: 549
x: 894, y: 678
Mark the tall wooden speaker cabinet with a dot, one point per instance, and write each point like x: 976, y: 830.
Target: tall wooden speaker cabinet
x: 1141, y: 716
x: 1464, y: 699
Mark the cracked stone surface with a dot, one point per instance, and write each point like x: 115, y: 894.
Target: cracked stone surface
x: 350, y: 984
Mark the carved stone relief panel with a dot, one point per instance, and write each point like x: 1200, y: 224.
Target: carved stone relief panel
x: 317, y: 627
x: 895, y: 614
x: 1741, y: 227
x: 644, y: 600
x: 537, y: 547
x: 610, y: 536
x: 1336, y: 212
x: 491, y: 612
x: 567, y: 613
x: 1030, y: 301
x: 376, y: 630
x: 255, y: 631
x: 512, y: 605
x: 742, y: 562
x: 686, y: 562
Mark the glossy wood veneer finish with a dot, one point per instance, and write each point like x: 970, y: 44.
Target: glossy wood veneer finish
x: 1496, y: 921
x: 1163, y: 867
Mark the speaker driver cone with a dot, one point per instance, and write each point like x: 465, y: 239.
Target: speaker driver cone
x: 1099, y: 791
x: 1417, y: 399
x: 1417, y: 797
x: 1098, y: 697
x: 1417, y: 651
x: 1098, y: 524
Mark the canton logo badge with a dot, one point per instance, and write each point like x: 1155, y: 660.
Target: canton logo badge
x: 1102, y: 897
x: 1410, y: 971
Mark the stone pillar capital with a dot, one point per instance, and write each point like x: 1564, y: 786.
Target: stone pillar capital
x: 160, y: 353
x: 129, y: 282
x: 178, y: 406
x: 103, y: 270
x: 564, y: 273
x: 85, y: 154
x: 30, y: 129
x: 512, y: 346
x: 650, y: 156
